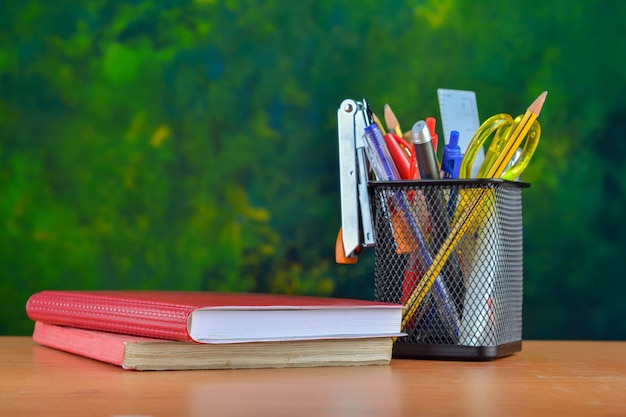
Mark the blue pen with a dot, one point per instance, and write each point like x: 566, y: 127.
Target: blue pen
x: 451, y: 166
x: 384, y: 169
x: 452, y: 157
x: 378, y: 154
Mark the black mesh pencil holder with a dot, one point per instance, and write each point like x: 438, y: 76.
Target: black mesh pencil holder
x: 451, y: 252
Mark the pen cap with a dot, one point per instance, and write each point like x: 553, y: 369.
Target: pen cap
x: 452, y: 157
x: 430, y: 122
x: 453, y: 144
x: 424, y: 152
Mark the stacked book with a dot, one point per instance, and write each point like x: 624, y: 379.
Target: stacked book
x: 169, y: 330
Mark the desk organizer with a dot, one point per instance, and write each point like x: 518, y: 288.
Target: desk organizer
x: 451, y: 251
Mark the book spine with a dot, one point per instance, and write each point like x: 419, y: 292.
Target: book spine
x: 128, y: 316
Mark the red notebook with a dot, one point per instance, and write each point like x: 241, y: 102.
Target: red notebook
x: 213, y: 317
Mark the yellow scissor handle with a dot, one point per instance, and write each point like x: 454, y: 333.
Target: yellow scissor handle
x: 518, y: 166
x: 500, y: 123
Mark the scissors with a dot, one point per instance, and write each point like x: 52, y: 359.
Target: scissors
x: 501, y: 147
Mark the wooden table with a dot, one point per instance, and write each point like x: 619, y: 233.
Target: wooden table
x: 546, y: 378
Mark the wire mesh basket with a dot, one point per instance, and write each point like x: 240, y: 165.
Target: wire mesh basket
x: 451, y: 252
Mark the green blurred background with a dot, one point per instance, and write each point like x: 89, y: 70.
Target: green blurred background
x: 192, y: 144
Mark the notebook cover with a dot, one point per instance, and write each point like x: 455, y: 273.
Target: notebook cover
x: 161, y: 314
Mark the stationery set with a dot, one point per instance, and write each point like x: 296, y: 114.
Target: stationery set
x: 447, y: 234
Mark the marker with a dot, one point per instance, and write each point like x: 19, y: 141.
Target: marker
x: 437, y: 211
x: 425, y: 152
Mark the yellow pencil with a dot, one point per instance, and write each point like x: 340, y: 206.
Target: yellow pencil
x: 518, y: 135
x: 468, y: 217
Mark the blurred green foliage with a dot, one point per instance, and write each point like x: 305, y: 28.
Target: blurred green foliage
x: 192, y: 144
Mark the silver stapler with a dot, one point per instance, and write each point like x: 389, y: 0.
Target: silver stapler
x: 356, y: 230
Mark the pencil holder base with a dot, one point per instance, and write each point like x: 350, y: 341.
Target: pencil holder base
x: 454, y: 352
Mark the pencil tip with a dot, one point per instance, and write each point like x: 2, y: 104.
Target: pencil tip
x: 378, y: 123
x: 388, y: 114
x: 390, y: 120
x: 535, y: 108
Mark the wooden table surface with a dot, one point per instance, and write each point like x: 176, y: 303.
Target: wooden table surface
x: 546, y: 378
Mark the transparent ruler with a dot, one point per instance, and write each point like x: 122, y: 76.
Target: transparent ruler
x: 459, y: 112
